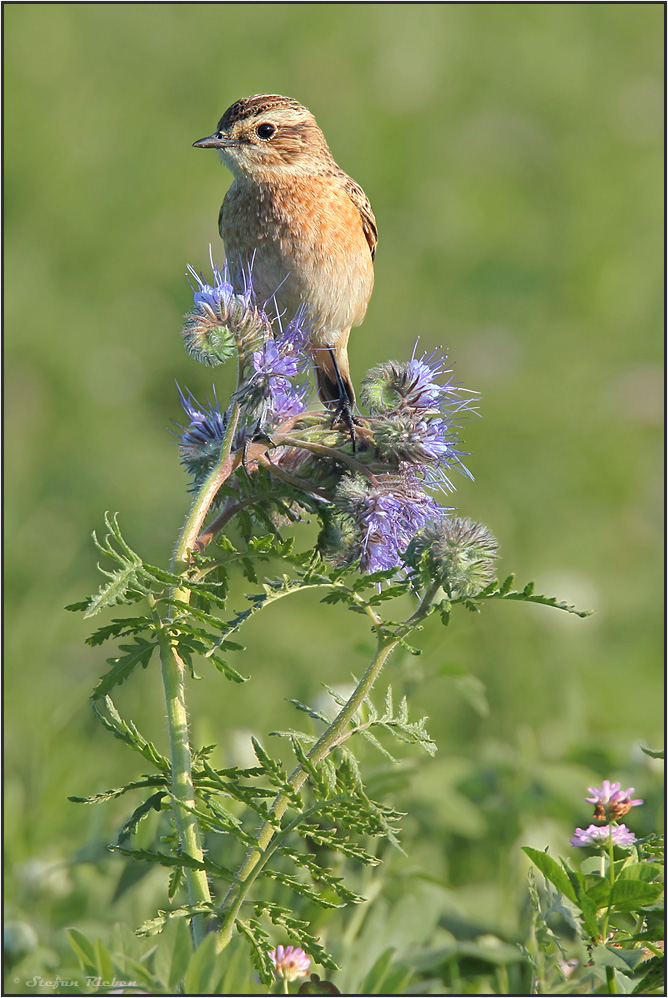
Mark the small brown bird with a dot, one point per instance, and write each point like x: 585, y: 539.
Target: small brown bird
x: 301, y: 225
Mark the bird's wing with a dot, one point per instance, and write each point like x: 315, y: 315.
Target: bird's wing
x: 361, y: 202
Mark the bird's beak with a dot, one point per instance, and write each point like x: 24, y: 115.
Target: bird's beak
x: 216, y: 141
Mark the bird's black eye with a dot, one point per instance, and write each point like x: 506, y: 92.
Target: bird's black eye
x: 265, y: 130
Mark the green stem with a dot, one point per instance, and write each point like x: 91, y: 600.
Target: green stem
x: 182, y: 784
x: 330, y: 738
x: 173, y: 680
x: 224, y: 467
x: 611, y: 877
x: 298, y: 483
x: 610, y: 979
x: 324, y: 451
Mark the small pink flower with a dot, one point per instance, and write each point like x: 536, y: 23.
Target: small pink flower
x: 611, y: 802
x: 597, y: 835
x: 290, y: 962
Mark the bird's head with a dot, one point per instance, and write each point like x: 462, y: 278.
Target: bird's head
x: 268, y: 138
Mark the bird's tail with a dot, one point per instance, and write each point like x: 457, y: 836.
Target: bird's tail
x: 333, y: 375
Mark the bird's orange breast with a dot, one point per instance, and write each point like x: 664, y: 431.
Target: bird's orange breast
x: 306, y: 245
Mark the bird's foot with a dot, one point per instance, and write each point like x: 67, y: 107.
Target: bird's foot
x: 344, y: 415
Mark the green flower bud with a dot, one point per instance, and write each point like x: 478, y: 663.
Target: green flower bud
x: 458, y: 553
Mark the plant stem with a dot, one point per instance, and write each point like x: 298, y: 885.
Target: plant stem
x: 224, y: 467
x: 173, y: 680
x: 324, y: 451
x: 333, y: 734
x: 610, y: 980
x: 182, y: 785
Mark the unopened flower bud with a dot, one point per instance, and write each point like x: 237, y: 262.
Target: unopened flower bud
x: 458, y: 553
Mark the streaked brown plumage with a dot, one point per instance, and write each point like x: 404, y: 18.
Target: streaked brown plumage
x: 303, y: 225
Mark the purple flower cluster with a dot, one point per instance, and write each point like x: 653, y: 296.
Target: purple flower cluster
x: 387, y: 514
x: 600, y: 835
x: 211, y: 295
x: 226, y: 321
x: 202, y: 438
x: 275, y: 364
x: 610, y: 803
x: 414, y: 415
x: 422, y: 390
x: 414, y: 408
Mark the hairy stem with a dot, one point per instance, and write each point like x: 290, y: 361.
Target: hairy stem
x: 173, y: 680
x: 182, y: 784
x: 330, y: 738
x: 226, y: 464
x: 324, y: 451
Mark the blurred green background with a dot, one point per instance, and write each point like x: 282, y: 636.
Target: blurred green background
x: 513, y: 157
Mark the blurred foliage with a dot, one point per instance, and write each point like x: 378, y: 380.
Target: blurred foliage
x: 513, y: 156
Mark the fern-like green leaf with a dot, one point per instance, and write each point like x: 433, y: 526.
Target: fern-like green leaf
x: 126, y: 584
x: 128, y: 733
x: 153, y: 803
x: 136, y: 654
x: 155, y: 925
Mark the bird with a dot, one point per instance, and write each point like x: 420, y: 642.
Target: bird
x: 300, y: 226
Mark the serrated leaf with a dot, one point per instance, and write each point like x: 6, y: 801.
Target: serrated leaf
x: 155, y: 925
x: 321, y: 875
x: 317, y: 715
x: 149, y: 781
x: 300, y: 888
x: 120, y: 628
x: 258, y: 939
x: 128, y: 733
x: 182, y: 860
x: 129, y: 828
x: 371, y: 738
x: 121, y: 668
x: 526, y: 595
x: 653, y: 980
x: 226, y: 668
x: 297, y: 929
x: 629, y: 895
x: 126, y: 584
x: 82, y: 605
x: 175, y: 882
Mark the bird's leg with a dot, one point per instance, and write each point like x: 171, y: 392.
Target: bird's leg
x: 344, y: 409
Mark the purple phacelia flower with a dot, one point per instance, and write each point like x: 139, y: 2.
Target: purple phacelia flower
x: 271, y: 362
x: 223, y: 323
x: 284, y: 401
x: 201, y: 440
x: 211, y: 294
x: 611, y: 802
x: 413, y: 385
x: 290, y: 962
x: 294, y: 338
x: 421, y: 374
x: 599, y: 835
x: 386, y: 514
